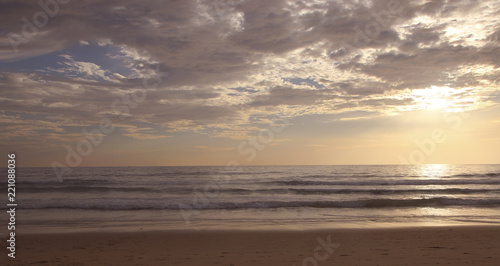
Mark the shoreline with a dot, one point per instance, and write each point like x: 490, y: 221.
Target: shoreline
x: 107, y: 226
x: 454, y: 245
x: 263, y: 229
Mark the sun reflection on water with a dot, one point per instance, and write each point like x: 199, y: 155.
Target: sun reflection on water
x: 432, y: 171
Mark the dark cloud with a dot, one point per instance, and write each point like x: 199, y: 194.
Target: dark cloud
x: 426, y: 67
x: 288, y: 96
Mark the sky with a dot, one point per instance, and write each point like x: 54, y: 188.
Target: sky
x: 271, y: 82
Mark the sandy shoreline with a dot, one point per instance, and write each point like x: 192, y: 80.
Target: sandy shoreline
x: 459, y: 245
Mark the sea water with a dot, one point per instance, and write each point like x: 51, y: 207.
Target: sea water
x: 254, y: 197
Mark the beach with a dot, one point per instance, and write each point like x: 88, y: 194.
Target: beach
x: 259, y: 215
x: 443, y: 245
x: 239, y: 132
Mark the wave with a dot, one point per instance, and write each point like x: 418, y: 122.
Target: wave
x: 178, y: 177
x: 386, y: 175
x: 80, y: 189
x: 242, y: 191
x: 151, y: 204
x: 492, y: 174
x: 389, y: 191
x: 388, y: 182
x: 63, y: 182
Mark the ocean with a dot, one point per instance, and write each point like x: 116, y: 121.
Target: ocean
x: 254, y: 197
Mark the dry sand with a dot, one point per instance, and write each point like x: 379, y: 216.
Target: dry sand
x: 397, y: 246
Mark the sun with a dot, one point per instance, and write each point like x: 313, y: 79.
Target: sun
x: 437, y: 103
x: 437, y: 99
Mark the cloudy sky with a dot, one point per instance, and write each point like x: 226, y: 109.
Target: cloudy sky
x: 199, y: 82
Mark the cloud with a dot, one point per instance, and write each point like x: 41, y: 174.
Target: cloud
x: 73, y: 68
x: 212, y: 149
x: 289, y: 96
x: 142, y: 133
x: 231, y: 63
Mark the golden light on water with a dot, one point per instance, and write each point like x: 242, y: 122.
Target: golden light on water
x: 431, y: 171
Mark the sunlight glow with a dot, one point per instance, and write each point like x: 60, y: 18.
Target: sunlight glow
x: 432, y: 170
x: 442, y: 98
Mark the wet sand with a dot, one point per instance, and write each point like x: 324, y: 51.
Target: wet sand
x: 459, y: 245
